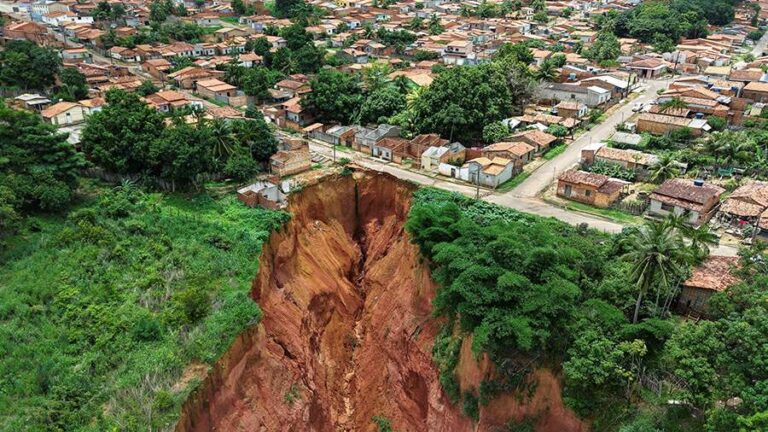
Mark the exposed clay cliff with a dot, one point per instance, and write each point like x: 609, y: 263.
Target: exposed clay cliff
x: 347, y: 332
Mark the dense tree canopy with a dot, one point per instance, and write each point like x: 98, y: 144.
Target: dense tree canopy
x: 38, y: 167
x: 462, y: 100
x: 26, y: 65
x: 128, y: 137
x: 336, y: 95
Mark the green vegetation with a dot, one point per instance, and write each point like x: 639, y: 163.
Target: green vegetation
x: 554, y: 151
x: 608, y: 213
x: 25, y: 65
x: 514, y: 181
x: 101, y: 311
x: 38, y: 168
x: 382, y: 423
x: 128, y: 137
x: 535, y: 291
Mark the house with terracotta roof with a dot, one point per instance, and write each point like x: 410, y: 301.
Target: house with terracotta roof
x: 220, y: 91
x: 660, y: 124
x: 289, y: 162
x: 714, y: 275
x: 747, y: 205
x: 64, y: 114
x: 169, y: 100
x: 538, y: 139
x: 571, y: 109
x: 756, y: 92
x: 158, y: 68
x: 648, y: 68
x: 696, y: 200
x: 634, y: 160
x: 519, y: 152
x: 489, y: 172
x: 589, y: 188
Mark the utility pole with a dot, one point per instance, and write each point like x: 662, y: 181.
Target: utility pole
x: 477, y: 181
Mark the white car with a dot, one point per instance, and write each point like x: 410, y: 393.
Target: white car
x: 637, y: 107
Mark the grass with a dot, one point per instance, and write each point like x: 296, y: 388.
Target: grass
x: 613, y: 214
x: 554, y: 152
x: 343, y: 148
x: 231, y: 20
x: 101, y: 311
x: 513, y: 182
x: 211, y: 30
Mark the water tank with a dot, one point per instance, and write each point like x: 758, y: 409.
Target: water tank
x: 698, y: 182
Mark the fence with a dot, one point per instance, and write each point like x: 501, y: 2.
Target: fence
x: 635, y: 208
x: 164, y: 185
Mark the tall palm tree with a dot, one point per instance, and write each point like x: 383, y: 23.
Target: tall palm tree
x: 658, y: 256
x: 730, y: 147
x: 547, y: 72
x: 673, y: 104
x: 223, y: 139
x: 664, y: 169
x: 701, y: 239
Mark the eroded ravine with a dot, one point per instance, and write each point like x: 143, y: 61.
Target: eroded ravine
x: 346, y: 333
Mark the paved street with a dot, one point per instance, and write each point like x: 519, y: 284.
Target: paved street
x: 544, y: 175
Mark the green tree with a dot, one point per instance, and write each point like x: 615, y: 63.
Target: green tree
x: 39, y: 169
x: 74, y: 86
x: 434, y: 26
x: 260, y: 45
x: 336, y: 96
x: 664, y: 169
x: 147, y: 88
x: 495, y: 132
x: 462, y: 100
x: 238, y: 7
x: 381, y: 104
x: 256, y: 136
x: 658, y: 256
x: 119, y: 137
x: 182, y: 152
x: 258, y: 80
x: 28, y: 66
x: 605, y: 48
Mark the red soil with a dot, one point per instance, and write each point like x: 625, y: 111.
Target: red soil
x: 346, y: 333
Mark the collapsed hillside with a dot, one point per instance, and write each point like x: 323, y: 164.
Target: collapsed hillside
x: 347, y: 332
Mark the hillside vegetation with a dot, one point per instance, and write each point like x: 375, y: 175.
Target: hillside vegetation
x: 102, y: 310
x: 536, y: 292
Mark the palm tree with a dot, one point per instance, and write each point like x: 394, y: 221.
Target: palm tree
x: 547, y: 72
x: 658, y: 255
x: 730, y: 147
x: 701, y: 239
x: 673, y: 104
x: 664, y: 169
x: 223, y: 139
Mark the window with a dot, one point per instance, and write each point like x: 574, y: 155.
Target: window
x: 667, y: 207
x: 588, y: 193
x: 568, y: 190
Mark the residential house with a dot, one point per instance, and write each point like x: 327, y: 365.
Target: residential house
x: 592, y: 96
x: 220, y: 91
x: 262, y: 193
x: 75, y: 55
x: 64, y: 114
x: 289, y: 162
x: 714, y: 275
x: 459, y: 52
x: 538, y: 139
x: 336, y: 135
x: 187, y: 78
x: 756, y: 92
x: 632, y: 160
x: 25, y: 30
x: 448, y: 159
x: 169, y: 100
x: 158, y: 68
x: 489, y: 172
x: 660, y: 124
x: 589, y: 188
x: 571, y: 109
x: 518, y: 152
x: 648, y: 68
x: 390, y: 148
x: 296, y: 115
x: 33, y: 101
x: 697, y: 200
x: 747, y: 205
x: 365, y: 138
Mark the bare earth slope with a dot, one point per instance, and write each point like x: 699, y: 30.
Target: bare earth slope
x: 346, y: 333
